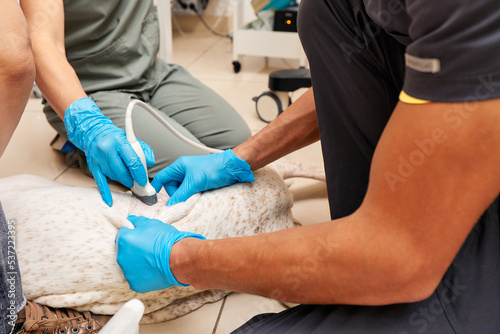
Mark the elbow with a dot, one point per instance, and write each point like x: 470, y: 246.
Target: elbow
x: 424, y: 282
x: 17, y: 63
x: 22, y: 72
x: 412, y: 281
x: 419, y: 290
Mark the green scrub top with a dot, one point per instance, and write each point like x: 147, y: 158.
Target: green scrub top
x: 113, y: 44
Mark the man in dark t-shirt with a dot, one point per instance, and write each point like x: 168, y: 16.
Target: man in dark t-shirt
x: 405, y: 99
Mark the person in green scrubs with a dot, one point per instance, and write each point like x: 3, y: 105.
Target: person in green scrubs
x: 92, y: 58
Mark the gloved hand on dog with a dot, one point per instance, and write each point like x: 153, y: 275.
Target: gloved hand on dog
x: 106, y: 147
x: 191, y: 174
x: 143, y: 253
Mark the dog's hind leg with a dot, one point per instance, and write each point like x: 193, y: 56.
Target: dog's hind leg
x: 288, y: 168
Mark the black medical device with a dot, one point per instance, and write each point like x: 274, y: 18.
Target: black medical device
x: 286, y: 19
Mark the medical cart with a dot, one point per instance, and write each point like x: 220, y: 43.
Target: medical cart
x: 263, y: 43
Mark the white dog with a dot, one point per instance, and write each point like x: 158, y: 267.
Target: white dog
x: 65, y: 236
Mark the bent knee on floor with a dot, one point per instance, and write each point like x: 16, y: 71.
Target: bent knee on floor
x: 228, y: 139
x: 238, y: 136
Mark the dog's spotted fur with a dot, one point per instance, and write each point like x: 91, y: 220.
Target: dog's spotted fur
x: 65, y: 236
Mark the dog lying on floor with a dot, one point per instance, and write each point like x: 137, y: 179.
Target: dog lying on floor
x: 65, y: 236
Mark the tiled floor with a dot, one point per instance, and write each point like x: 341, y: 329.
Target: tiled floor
x: 208, y: 58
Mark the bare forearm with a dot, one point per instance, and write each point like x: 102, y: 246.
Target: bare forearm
x: 336, y: 262
x: 295, y: 128
x: 14, y: 94
x: 56, y: 78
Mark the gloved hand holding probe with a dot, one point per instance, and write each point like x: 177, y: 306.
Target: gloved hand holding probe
x: 106, y: 147
x: 144, y: 253
x: 191, y: 174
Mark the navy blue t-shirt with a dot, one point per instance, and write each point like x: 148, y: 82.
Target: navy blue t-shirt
x: 453, y: 46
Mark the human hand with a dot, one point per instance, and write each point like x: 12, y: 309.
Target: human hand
x: 191, y: 174
x: 143, y: 253
x: 106, y: 147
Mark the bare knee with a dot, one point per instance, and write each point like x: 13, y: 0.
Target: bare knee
x: 16, y: 58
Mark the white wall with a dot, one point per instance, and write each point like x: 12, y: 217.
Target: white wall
x: 224, y: 8
x: 221, y: 7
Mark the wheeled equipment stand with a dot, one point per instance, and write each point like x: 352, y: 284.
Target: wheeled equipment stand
x: 282, y: 83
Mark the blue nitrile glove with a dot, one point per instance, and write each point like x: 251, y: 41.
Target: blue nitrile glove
x: 144, y: 253
x: 191, y: 174
x: 106, y: 147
